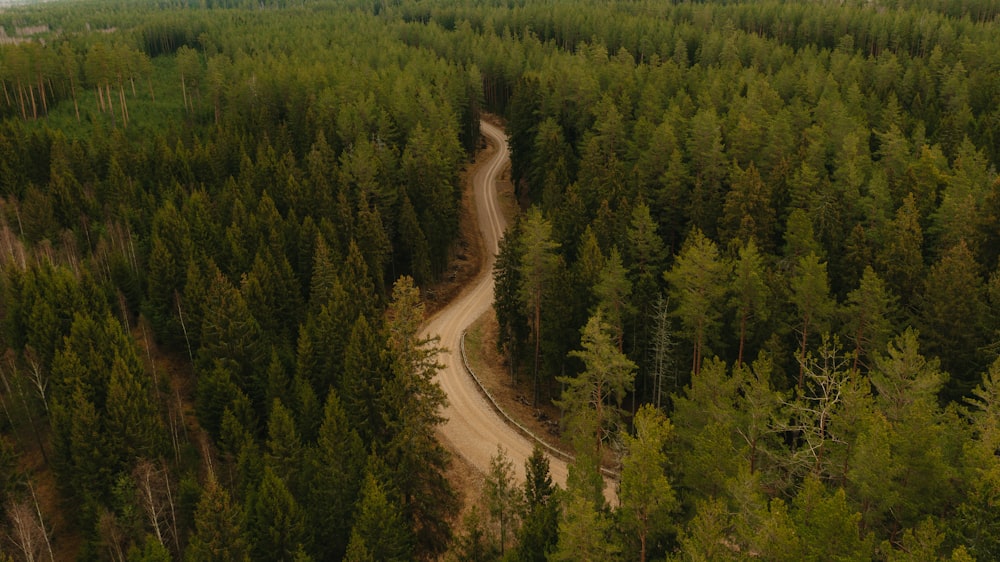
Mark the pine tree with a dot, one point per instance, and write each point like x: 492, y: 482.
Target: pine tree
x: 380, y: 530
x: 901, y: 259
x: 591, y: 401
x: 811, y: 297
x: 366, y: 371
x: 512, y: 322
x: 336, y: 465
x: 540, y: 520
x: 412, y: 400
x: 827, y: 526
x: 218, y: 528
x: 750, y: 291
x: 697, y: 283
x: 613, y: 290
x: 646, y: 497
x: 869, y: 312
x: 539, y: 262
x: 584, y: 532
x: 503, y: 498
x: 951, y: 314
x: 276, y: 522
x: 133, y: 425
x: 283, y: 453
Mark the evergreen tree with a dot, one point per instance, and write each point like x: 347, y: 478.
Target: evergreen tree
x: 827, y: 526
x: 413, y: 401
x: 380, y: 530
x: 335, y: 470
x: 646, y: 497
x: 811, y: 297
x: 952, y: 307
x: 584, y: 532
x: 539, y: 262
x: 869, y: 313
x: 697, y: 285
x: 607, y: 376
x: 613, y: 290
x: 540, y: 520
x: 283, y: 452
x: 218, y: 528
x: 366, y: 372
x: 134, y: 428
x: 901, y: 258
x: 750, y: 291
x: 512, y: 322
x: 503, y: 498
x: 276, y: 522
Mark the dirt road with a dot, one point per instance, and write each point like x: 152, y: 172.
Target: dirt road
x: 474, y: 429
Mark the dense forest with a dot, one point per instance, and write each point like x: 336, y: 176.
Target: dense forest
x: 779, y: 222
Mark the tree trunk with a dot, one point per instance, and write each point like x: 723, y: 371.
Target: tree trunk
x: 743, y: 336
x: 538, y: 344
x: 34, y: 104
x: 857, y: 347
x: 20, y: 97
x: 802, y: 352
x: 41, y: 90
x: 642, y: 543
x: 76, y: 105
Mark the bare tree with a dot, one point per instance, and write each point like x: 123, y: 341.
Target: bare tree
x: 36, y: 375
x: 27, y: 529
x: 155, y: 497
x: 112, y: 536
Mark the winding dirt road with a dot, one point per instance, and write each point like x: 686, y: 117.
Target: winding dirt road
x: 474, y: 429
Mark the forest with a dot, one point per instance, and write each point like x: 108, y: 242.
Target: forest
x: 778, y: 221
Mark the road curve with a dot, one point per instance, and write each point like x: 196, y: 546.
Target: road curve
x: 473, y: 429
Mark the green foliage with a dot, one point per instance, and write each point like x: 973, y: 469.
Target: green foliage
x: 584, y: 531
x: 697, y: 283
x: 503, y: 497
x: 380, y: 531
x: 538, y: 264
x: 591, y: 401
x: 219, y: 528
x: 646, y: 496
x: 275, y: 521
x: 540, y: 519
x: 413, y: 401
x: 335, y: 468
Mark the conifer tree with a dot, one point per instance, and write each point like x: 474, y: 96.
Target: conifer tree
x: 539, y: 262
x: 697, y: 283
x: 540, y: 520
x: 276, y: 521
x: 413, y: 401
x: 591, y: 401
x: 503, y: 497
x: 811, y: 297
x: 869, y: 312
x: 750, y: 291
x: 380, y: 530
x: 336, y: 467
x: 647, y: 499
x: 218, y: 528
